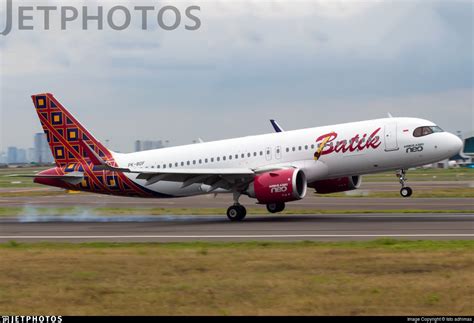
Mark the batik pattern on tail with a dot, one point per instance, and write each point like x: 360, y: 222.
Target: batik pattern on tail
x: 64, y: 134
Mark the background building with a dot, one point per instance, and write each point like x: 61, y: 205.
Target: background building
x: 42, y: 153
x: 12, y: 155
x: 141, y: 145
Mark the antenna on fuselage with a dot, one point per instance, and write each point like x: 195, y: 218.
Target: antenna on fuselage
x: 389, y: 115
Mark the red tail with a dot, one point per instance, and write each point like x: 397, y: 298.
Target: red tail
x: 65, y: 133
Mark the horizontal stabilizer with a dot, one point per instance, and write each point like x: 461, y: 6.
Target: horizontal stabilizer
x: 71, y: 178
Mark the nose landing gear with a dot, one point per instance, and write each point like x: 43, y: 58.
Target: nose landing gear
x: 405, y: 191
x: 236, y: 212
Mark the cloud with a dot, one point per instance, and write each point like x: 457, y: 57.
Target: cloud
x: 250, y: 60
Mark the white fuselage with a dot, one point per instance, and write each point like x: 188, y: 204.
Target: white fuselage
x: 392, y: 147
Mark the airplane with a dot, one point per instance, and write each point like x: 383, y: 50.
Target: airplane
x: 273, y: 168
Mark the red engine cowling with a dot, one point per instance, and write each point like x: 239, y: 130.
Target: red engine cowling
x: 278, y: 186
x: 335, y: 185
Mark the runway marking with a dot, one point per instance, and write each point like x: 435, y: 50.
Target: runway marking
x: 244, y: 236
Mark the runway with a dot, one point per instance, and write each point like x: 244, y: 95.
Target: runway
x: 217, y: 228
x: 311, y: 201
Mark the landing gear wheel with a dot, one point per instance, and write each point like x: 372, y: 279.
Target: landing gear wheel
x: 275, y: 207
x: 406, y: 191
x: 236, y: 212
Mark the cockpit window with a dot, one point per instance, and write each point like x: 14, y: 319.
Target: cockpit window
x: 424, y: 131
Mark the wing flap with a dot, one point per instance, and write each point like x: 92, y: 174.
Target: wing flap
x: 188, y: 177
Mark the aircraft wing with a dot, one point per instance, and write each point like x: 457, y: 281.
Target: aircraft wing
x: 192, y: 171
x: 227, y: 178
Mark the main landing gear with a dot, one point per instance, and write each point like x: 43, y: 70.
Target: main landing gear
x: 236, y: 212
x: 405, y: 191
x: 276, y: 207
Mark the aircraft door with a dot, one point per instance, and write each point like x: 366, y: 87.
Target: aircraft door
x: 390, y: 136
x: 278, y: 152
x: 268, y: 153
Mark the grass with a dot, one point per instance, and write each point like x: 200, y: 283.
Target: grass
x: 458, y: 174
x: 32, y: 193
x: 452, y: 174
x: 38, y: 211
x: 382, y: 277
x: 12, y: 182
x: 432, y: 193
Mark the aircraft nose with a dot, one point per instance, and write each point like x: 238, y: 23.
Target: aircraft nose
x: 455, y: 143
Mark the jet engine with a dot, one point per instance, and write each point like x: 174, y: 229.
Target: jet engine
x: 336, y: 185
x: 278, y: 186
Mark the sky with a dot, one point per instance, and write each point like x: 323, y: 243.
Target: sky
x: 304, y: 63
